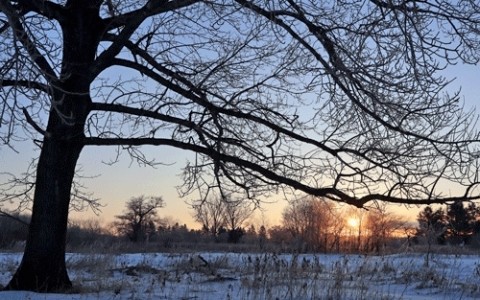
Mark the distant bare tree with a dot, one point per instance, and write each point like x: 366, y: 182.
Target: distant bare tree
x: 337, y: 226
x: 85, y: 232
x: 210, y: 213
x: 380, y: 225
x: 237, y: 212
x: 310, y: 221
x: 217, y: 212
x: 262, y: 237
x: 281, y: 236
x: 432, y: 224
x: 139, y: 220
x: 356, y: 232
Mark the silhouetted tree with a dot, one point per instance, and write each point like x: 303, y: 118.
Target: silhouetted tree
x: 250, y: 235
x: 234, y: 235
x: 432, y: 225
x: 85, y: 232
x: 280, y: 235
x: 473, y: 213
x: 236, y: 213
x: 139, y: 220
x: 463, y: 222
x: 309, y: 220
x: 252, y: 231
x: 380, y: 226
x: 338, y: 99
x: 222, y: 212
x: 210, y: 213
x: 262, y: 237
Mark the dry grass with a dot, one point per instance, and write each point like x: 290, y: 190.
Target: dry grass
x: 267, y: 276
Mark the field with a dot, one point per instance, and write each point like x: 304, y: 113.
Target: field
x: 208, y: 275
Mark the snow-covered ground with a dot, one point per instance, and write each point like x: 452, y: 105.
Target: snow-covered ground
x: 261, y: 276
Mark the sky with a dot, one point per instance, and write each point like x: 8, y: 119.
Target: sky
x: 115, y: 184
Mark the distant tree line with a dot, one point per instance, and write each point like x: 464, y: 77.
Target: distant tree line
x: 459, y: 224
x: 13, y: 228
x: 308, y: 225
x: 313, y: 224
x: 222, y: 216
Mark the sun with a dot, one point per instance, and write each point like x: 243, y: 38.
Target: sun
x: 353, y: 222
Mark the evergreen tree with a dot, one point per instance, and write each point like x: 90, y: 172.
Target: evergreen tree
x: 473, y: 213
x: 462, y: 222
x: 432, y: 225
x: 262, y: 236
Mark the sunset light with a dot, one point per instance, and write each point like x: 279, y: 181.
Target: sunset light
x: 353, y: 222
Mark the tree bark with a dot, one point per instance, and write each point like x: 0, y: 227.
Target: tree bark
x: 43, y: 265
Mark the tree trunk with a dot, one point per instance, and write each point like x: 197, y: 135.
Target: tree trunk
x: 43, y: 265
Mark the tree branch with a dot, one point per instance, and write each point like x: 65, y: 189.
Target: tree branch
x: 45, y: 8
x: 4, y: 26
x: 32, y: 122
x: 141, y: 112
x: 149, y: 9
x: 198, y: 97
x: 24, y: 83
x: 130, y: 23
x: 22, y: 36
x: 338, y: 67
x: 330, y: 193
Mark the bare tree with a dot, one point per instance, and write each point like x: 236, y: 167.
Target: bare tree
x: 311, y: 221
x: 356, y: 228
x: 337, y: 229
x: 139, y: 220
x: 237, y: 211
x: 86, y: 233
x: 341, y: 100
x: 210, y: 213
x: 380, y: 226
x: 218, y: 212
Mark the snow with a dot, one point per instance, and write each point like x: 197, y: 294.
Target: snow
x: 260, y: 276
